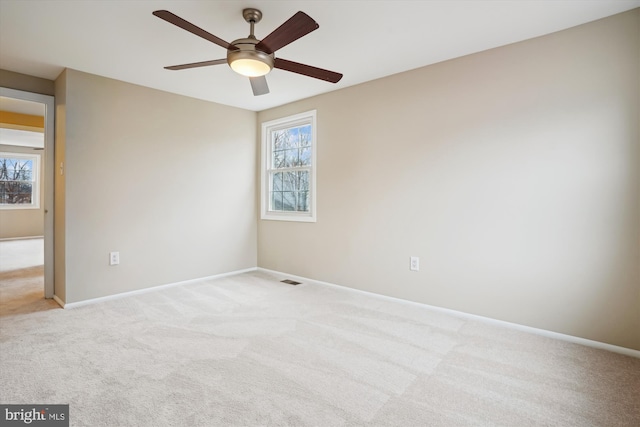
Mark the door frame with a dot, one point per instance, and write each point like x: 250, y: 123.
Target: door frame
x: 49, y: 178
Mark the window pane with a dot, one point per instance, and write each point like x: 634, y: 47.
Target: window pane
x: 276, y: 201
x: 303, y: 181
x: 290, y: 181
x: 278, y: 160
x: 303, y: 201
x: 15, y: 192
x: 12, y: 169
x: 305, y: 136
x: 305, y: 156
x: 278, y: 138
x: 295, y: 137
x: 276, y: 181
x: 290, y: 191
x: 292, y: 138
x: 288, y: 201
x: 291, y: 157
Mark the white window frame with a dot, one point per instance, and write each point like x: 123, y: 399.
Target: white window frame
x: 35, y: 179
x: 308, y: 117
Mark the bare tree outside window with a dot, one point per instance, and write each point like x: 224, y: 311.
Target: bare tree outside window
x: 290, y: 162
x: 17, y: 180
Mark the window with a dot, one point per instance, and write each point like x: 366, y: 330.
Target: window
x: 19, y: 181
x: 288, y: 168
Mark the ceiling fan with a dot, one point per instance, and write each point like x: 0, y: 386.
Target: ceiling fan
x: 255, y: 58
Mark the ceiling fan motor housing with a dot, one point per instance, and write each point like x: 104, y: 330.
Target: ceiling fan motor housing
x: 247, y: 52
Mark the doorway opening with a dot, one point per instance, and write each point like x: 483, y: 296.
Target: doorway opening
x: 26, y: 197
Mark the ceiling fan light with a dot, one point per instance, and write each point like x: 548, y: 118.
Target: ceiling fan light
x: 249, y: 62
x: 250, y: 67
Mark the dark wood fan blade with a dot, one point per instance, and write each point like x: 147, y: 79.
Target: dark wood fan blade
x: 259, y: 85
x: 186, y: 25
x: 197, y: 64
x: 307, y: 70
x: 297, y: 26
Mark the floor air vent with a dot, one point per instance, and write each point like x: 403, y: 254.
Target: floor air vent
x: 290, y: 282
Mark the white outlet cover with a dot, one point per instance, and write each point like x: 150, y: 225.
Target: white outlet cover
x: 114, y: 258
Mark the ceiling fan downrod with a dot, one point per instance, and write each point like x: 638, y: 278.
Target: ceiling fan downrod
x: 252, y: 16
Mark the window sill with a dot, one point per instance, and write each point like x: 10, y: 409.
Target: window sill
x: 17, y: 207
x: 287, y: 217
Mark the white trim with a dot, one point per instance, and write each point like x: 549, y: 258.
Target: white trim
x: 516, y: 326
x: 92, y: 301
x: 308, y: 117
x: 58, y: 300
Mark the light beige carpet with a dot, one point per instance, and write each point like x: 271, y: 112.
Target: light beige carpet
x: 248, y: 350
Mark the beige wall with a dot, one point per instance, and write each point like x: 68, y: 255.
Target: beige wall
x: 513, y: 174
x: 166, y: 180
x: 16, y: 223
x: 12, y: 80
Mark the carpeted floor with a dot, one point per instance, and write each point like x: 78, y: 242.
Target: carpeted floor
x: 248, y: 350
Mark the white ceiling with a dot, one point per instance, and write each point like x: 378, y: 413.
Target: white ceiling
x: 364, y: 40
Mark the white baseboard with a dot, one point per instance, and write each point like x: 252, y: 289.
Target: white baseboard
x: 8, y: 239
x: 58, y: 300
x: 77, y: 304
x: 543, y: 332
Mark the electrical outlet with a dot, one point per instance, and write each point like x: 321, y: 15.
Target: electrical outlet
x: 114, y: 258
x: 414, y: 263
